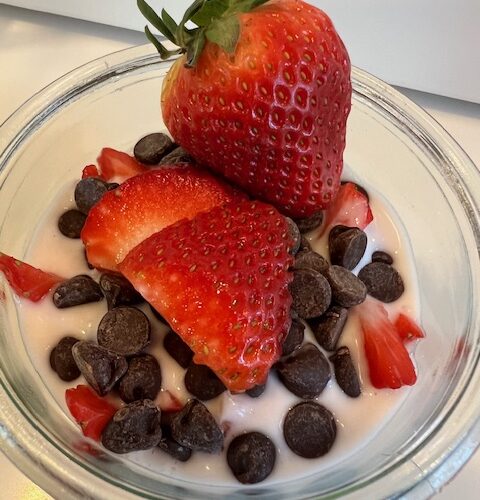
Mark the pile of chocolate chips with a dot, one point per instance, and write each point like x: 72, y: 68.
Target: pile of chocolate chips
x: 322, y: 293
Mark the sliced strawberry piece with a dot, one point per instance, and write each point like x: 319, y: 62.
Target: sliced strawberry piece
x: 349, y: 208
x: 118, y: 166
x: 90, y: 411
x: 168, y: 402
x: 146, y: 204
x: 221, y: 281
x: 91, y: 171
x: 389, y: 362
x: 407, y: 328
x: 27, y: 281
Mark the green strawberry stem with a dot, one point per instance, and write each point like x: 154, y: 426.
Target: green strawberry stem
x: 215, y: 21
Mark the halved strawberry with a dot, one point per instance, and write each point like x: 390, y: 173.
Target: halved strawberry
x: 118, y: 166
x: 221, y: 281
x: 90, y: 411
x: 146, y: 204
x: 407, y: 328
x: 389, y: 362
x: 27, y: 281
x: 349, y: 208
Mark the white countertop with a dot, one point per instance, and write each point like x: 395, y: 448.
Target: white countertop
x: 35, y: 49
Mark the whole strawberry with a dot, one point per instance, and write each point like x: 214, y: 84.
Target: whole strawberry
x: 261, y: 95
x: 221, y: 281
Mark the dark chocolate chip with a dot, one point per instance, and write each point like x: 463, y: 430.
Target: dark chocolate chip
x: 380, y: 256
x: 194, y: 427
x: 178, y: 349
x: 295, y: 235
x: 118, y: 291
x: 311, y: 294
x: 309, y: 429
x: 256, y: 391
x: 61, y: 359
x: 71, y: 223
x: 178, y: 155
x: 382, y: 281
x: 76, y: 291
x: 124, y: 330
x: 347, y: 246
x: 308, y: 259
x: 100, y: 367
x: 88, y: 192
x: 142, y: 380
x: 305, y: 243
x: 134, y: 427
x: 347, y: 289
x: 305, y: 373
x: 328, y: 327
x: 310, y: 223
x: 345, y: 372
x: 167, y: 444
x: 152, y: 148
x: 251, y: 457
x: 202, y: 382
x: 294, y: 338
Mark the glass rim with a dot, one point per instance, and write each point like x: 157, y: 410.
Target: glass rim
x: 51, y: 468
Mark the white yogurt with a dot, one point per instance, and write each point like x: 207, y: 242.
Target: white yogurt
x: 358, y: 420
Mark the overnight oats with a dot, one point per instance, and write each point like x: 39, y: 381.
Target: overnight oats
x: 226, y: 302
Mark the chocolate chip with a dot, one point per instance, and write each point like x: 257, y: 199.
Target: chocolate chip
x: 256, y: 391
x: 329, y: 326
x: 124, y: 330
x: 308, y: 259
x: 251, y: 457
x: 134, y: 427
x: 310, y: 223
x: 311, y: 293
x: 178, y: 349
x: 178, y: 155
x: 76, y: 291
x: 294, y: 234
x: 194, y: 427
x: 345, y: 372
x: 380, y: 256
x: 167, y: 444
x: 202, y: 382
x: 118, y: 291
x: 71, y: 223
x: 100, y: 367
x: 347, y: 246
x: 305, y: 373
x: 142, y: 380
x: 152, y: 148
x: 309, y: 429
x: 61, y: 359
x: 382, y: 281
x: 88, y: 192
x: 294, y: 338
x: 305, y: 243
x: 347, y: 289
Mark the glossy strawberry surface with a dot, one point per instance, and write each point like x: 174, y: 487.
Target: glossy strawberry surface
x: 145, y: 204
x: 221, y: 281
x: 271, y: 117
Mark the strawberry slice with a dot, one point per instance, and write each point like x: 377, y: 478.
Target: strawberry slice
x: 349, y: 208
x: 389, y: 362
x: 407, y: 328
x: 91, y: 171
x: 221, y: 281
x: 27, y: 281
x: 146, y: 204
x: 90, y: 411
x: 118, y: 166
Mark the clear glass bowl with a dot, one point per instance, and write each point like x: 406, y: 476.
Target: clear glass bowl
x: 394, y: 146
